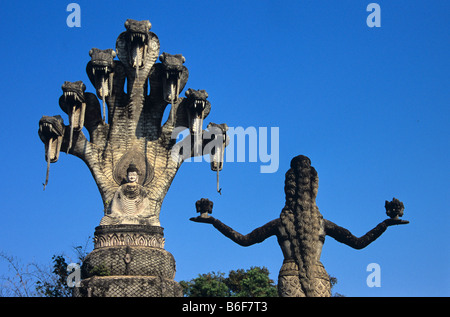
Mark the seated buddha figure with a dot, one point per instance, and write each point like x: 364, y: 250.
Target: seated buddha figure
x: 130, y: 204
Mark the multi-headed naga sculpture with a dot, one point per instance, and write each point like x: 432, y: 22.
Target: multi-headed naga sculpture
x: 126, y: 126
x: 301, y: 231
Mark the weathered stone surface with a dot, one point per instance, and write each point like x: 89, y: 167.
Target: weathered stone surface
x: 132, y: 155
x: 300, y: 231
x: 128, y: 286
x: 132, y: 132
x: 128, y: 260
x: 132, y: 235
x: 142, y: 261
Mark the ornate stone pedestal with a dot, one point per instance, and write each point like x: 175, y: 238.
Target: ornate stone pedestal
x: 128, y: 261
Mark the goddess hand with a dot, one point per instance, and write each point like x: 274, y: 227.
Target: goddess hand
x: 393, y: 222
x: 201, y: 219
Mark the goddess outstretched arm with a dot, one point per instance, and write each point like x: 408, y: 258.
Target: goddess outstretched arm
x: 256, y: 236
x: 345, y: 236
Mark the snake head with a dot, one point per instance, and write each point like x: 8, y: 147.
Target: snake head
x: 73, y: 93
x: 134, y: 26
x: 197, y: 109
x: 218, y: 133
x: 172, y: 63
x: 51, y: 131
x: 102, y: 58
x: 196, y: 106
x: 137, y: 35
x: 174, y: 77
x: 100, y: 70
x: 196, y: 100
x: 50, y: 127
x: 73, y: 102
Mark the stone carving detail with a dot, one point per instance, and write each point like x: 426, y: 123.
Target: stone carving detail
x: 128, y: 286
x: 121, y: 235
x: 130, y: 204
x: 113, y: 239
x: 127, y: 128
x: 132, y: 155
x: 51, y: 132
x: 301, y: 231
x: 394, y: 208
x: 133, y: 263
x: 204, y: 207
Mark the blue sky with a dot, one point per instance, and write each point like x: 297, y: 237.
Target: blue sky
x: 369, y: 106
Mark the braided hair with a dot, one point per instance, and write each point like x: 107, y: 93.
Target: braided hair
x: 301, y: 218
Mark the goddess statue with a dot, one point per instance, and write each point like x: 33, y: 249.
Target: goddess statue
x: 301, y: 231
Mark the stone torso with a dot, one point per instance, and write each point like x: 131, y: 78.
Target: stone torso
x: 285, y: 243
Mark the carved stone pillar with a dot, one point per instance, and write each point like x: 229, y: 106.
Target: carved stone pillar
x: 128, y: 261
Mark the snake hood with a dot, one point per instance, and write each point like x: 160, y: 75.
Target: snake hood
x: 137, y: 47
x: 100, y: 70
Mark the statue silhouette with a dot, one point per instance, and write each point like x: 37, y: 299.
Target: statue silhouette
x: 301, y: 232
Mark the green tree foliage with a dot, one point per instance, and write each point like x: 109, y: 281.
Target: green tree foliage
x: 57, y: 286
x: 54, y: 284
x: 254, y: 282
x: 206, y: 285
x: 333, y: 282
x: 251, y: 283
